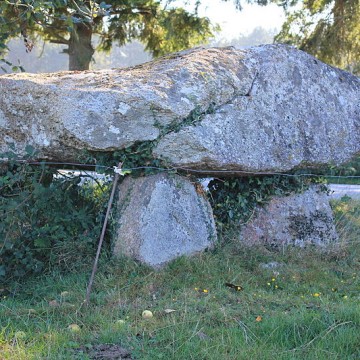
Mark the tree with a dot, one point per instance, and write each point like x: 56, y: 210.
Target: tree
x: 73, y: 23
x: 155, y: 23
x: 328, y: 29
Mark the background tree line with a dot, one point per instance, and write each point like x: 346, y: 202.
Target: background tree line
x: 328, y: 29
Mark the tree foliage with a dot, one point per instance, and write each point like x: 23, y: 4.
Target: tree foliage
x: 328, y: 29
x: 73, y: 22
x: 158, y: 24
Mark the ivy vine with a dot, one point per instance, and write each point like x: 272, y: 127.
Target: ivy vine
x: 234, y: 200
x: 46, y: 221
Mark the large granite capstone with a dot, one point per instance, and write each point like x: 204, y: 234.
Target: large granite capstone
x: 268, y: 108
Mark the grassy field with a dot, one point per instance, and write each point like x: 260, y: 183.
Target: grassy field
x: 295, y: 304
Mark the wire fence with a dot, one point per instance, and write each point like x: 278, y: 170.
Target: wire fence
x: 345, y: 198
x: 185, y: 169
x: 345, y: 202
x: 338, y: 184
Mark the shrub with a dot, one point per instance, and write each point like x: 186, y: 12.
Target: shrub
x: 46, y: 221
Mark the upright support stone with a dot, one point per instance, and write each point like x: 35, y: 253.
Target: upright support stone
x: 161, y: 217
x: 299, y: 219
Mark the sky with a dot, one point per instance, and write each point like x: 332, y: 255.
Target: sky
x: 234, y: 22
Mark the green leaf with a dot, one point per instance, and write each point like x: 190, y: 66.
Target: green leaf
x: 42, y: 243
x: 30, y: 150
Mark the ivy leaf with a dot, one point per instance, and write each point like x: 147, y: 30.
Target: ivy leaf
x: 42, y: 243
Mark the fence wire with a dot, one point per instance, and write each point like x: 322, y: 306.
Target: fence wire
x: 184, y: 169
x: 345, y: 198
x: 345, y: 205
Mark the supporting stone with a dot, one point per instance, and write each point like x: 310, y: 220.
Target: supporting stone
x: 299, y: 219
x: 161, y: 217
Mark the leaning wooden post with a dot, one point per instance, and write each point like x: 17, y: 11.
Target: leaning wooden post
x: 116, y: 179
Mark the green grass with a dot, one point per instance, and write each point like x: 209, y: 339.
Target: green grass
x: 306, y: 308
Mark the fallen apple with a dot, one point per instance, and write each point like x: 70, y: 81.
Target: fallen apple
x: 74, y: 327
x: 147, y: 314
x: 20, y: 335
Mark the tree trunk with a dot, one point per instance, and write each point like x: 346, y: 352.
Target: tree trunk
x: 80, y: 47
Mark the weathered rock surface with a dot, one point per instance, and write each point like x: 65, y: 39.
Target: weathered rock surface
x: 298, y: 112
x: 112, y: 109
x: 299, y: 219
x: 161, y: 217
x: 269, y: 108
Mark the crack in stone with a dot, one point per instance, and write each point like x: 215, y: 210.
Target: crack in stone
x: 249, y: 93
x: 195, y: 116
x: 230, y: 101
x: 236, y: 95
